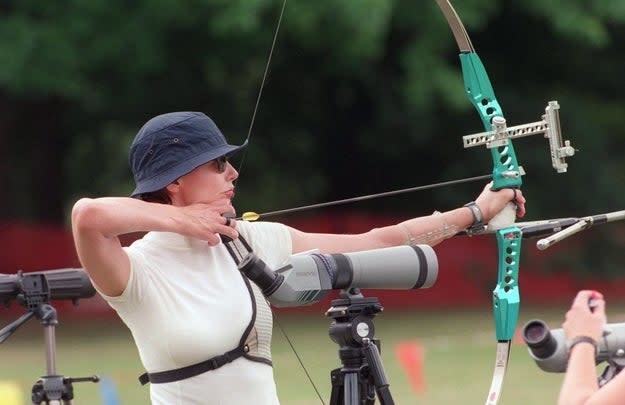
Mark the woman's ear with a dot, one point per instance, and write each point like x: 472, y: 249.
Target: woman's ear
x: 173, y: 187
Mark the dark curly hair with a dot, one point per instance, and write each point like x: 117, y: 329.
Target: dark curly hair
x: 158, y: 196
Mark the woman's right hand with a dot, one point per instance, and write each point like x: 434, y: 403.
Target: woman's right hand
x: 205, y: 220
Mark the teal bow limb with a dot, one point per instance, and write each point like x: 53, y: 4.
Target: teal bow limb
x: 506, y: 298
x: 506, y: 171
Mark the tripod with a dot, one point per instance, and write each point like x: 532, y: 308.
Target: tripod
x: 51, y: 389
x: 362, y: 375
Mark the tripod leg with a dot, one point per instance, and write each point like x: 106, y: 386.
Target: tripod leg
x: 336, y: 396
x: 376, y: 369
x: 351, y: 389
x: 345, y: 387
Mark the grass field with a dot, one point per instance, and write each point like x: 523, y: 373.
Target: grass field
x: 458, y: 357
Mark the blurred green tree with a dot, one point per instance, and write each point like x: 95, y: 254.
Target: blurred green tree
x: 362, y: 96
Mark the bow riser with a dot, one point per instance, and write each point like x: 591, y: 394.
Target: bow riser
x: 506, y: 298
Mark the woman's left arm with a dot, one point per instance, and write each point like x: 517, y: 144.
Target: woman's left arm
x: 430, y: 229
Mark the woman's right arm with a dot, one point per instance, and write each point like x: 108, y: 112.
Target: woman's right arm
x: 98, y: 223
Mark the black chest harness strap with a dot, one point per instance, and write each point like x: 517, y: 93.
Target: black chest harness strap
x: 238, y: 249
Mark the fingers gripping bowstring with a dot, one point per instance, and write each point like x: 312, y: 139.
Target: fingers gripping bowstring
x: 262, y: 84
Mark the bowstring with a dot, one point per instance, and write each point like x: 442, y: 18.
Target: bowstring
x: 262, y: 85
x: 240, y: 169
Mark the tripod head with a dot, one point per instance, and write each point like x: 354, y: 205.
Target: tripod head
x: 352, y: 316
x: 362, y: 375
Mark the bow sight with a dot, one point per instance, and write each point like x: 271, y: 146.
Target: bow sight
x: 549, y: 126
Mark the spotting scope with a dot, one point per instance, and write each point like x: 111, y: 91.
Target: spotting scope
x: 61, y: 284
x: 307, y: 278
x: 548, y: 347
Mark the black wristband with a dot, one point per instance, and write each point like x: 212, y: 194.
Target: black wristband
x: 478, y: 218
x: 580, y: 339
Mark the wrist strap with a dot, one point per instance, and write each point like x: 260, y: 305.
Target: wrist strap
x: 581, y: 339
x: 478, y: 218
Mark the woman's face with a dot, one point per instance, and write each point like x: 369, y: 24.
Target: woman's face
x: 204, y: 184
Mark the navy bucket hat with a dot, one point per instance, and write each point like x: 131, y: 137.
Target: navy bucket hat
x: 171, y: 145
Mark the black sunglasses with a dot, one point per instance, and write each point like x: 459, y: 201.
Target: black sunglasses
x: 221, y: 163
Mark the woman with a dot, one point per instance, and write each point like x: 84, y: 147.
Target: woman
x: 203, y: 333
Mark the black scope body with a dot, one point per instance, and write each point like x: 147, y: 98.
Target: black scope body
x: 61, y: 284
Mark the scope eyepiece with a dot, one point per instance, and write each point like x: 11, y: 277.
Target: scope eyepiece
x: 257, y: 270
x: 539, y: 339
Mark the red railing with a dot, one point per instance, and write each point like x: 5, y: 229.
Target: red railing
x: 466, y: 267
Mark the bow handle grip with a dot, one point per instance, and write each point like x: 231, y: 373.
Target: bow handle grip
x: 504, y: 218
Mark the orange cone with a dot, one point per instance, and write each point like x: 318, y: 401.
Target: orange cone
x: 518, y: 337
x: 410, y: 355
